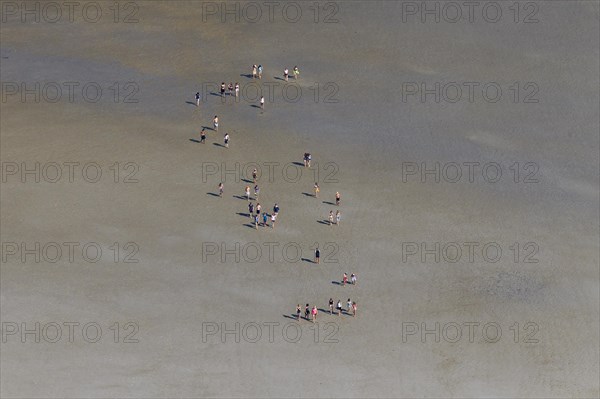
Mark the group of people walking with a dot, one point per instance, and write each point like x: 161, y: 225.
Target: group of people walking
x: 262, y: 218
x: 312, y: 313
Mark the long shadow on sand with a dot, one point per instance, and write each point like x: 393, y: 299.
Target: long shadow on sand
x: 246, y: 75
x: 323, y: 221
x: 196, y: 141
x: 213, y: 194
x: 293, y: 317
x: 219, y: 145
x: 191, y: 103
x: 329, y: 203
x: 255, y: 106
x: 308, y: 260
x: 336, y: 282
x: 250, y: 225
x: 308, y: 194
x: 246, y: 215
x: 247, y: 181
x: 298, y: 164
x: 239, y: 197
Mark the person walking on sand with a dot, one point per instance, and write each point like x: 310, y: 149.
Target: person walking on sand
x: 258, y: 208
x: 273, y: 218
x: 254, y: 175
x: 285, y: 74
x: 306, y: 311
x: 316, y: 189
x: 203, y: 136
x: 315, y: 312
x: 262, y: 102
x: 344, y: 279
x: 330, y: 305
x: 197, y: 99
x: 306, y: 154
x: 296, y: 73
x: 317, y: 255
x: 330, y: 218
x: 237, y: 90
x: 260, y: 71
x: 265, y: 218
x: 298, y: 311
x: 226, y: 140
x: 353, y: 309
x: 348, y: 305
x: 353, y: 279
x: 338, y: 306
x: 256, y: 191
x: 338, y: 217
x: 256, y: 221
x: 250, y: 209
x: 247, y: 191
x: 230, y: 89
x: 337, y: 198
x: 216, y: 123
x: 221, y: 189
x: 254, y: 71
x: 222, y: 89
x: 276, y: 209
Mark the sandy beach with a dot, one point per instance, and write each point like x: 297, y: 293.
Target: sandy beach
x: 466, y: 154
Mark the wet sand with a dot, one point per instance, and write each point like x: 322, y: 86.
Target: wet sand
x: 364, y: 146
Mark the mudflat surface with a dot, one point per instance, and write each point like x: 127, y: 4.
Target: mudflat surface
x: 466, y: 154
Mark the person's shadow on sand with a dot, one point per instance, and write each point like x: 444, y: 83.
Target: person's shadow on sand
x: 196, y: 141
x: 246, y: 75
x: 323, y: 221
x: 219, y: 145
x: 191, y: 103
x: 329, y: 203
x: 309, y: 194
x: 213, y: 194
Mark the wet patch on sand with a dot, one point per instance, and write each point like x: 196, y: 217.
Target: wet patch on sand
x: 511, y: 285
